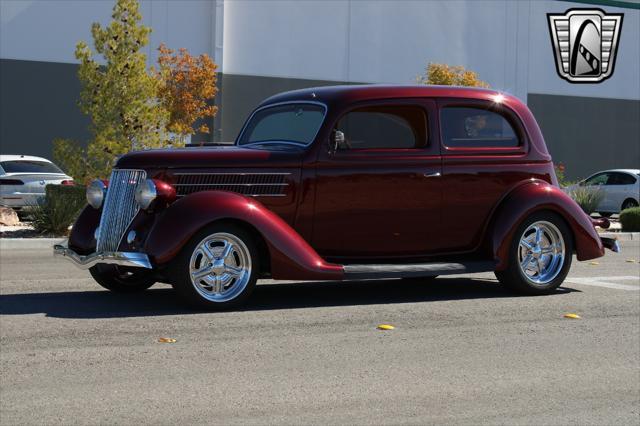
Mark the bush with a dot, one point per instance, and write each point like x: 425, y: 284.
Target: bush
x: 59, y: 209
x: 588, y: 199
x: 446, y: 75
x: 630, y: 219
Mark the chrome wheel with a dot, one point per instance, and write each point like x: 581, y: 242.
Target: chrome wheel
x: 220, y: 267
x: 541, y: 253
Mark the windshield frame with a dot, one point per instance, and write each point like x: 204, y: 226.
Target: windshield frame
x: 296, y: 102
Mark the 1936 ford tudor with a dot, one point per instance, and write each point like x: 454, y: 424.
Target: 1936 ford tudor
x: 340, y: 183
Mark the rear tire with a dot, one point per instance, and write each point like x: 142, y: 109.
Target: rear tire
x: 217, y: 269
x: 628, y: 204
x: 540, y: 255
x: 120, y: 279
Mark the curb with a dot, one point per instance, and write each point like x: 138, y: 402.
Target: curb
x: 621, y: 236
x: 29, y: 243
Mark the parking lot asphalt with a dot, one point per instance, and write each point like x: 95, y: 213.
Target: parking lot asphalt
x: 464, y: 351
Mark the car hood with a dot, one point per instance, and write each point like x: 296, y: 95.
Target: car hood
x: 210, y: 157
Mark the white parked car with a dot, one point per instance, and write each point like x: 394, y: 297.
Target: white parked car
x: 621, y: 189
x: 23, y: 180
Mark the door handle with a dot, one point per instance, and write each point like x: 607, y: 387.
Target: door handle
x: 428, y: 175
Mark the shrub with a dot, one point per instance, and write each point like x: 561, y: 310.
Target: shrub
x: 59, y: 209
x: 630, y: 219
x: 587, y: 198
x: 447, y: 75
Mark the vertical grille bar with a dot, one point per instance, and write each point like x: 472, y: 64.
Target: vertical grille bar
x: 119, y: 207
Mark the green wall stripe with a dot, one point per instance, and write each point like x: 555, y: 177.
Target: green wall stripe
x: 612, y: 3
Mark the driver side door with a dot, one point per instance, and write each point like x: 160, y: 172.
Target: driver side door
x: 380, y: 195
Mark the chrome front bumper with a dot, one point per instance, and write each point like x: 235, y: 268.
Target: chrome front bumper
x: 137, y: 260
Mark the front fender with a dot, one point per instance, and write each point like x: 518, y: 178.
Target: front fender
x: 291, y: 256
x: 537, y: 195
x: 81, y: 238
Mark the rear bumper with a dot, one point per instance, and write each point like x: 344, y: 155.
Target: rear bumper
x: 132, y: 259
x: 19, y: 200
x: 611, y: 243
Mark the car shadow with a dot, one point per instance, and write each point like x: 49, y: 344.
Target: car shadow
x: 163, y: 300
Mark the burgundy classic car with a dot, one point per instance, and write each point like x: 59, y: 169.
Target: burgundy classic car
x: 340, y: 183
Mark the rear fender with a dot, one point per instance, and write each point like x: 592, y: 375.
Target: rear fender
x: 537, y: 195
x: 291, y: 256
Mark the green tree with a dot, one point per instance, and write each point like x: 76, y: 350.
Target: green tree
x: 448, y: 75
x: 118, y: 92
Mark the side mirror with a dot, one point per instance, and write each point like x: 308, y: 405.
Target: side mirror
x: 338, y: 141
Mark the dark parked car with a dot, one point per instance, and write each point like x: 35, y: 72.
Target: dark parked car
x: 340, y: 183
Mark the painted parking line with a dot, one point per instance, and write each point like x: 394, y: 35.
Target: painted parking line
x: 606, y: 282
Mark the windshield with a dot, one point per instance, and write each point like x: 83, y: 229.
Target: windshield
x: 25, y: 166
x: 295, y: 123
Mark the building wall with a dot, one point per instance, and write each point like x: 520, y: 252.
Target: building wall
x: 598, y: 134
x: 264, y: 47
x: 38, y: 70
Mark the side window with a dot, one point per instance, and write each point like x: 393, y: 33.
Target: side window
x: 599, y: 179
x: 621, y: 179
x: 384, y: 127
x: 464, y: 127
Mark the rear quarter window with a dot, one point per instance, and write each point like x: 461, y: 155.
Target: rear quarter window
x: 621, y: 179
x: 468, y: 127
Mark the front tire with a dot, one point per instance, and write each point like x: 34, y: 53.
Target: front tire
x: 120, y: 279
x: 540, y: 255
x: 628, y: 204
x: 217, y: 269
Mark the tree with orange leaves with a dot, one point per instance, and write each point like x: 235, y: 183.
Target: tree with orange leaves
x: 187, y: 86
x: 447, y: 75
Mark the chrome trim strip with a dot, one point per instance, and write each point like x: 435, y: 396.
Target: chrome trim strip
x: 231, y: 184
x: 230, y: 174
x: 244, y: 195
x: 132, y: 259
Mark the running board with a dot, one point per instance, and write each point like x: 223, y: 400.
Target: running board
x: 359, y: 272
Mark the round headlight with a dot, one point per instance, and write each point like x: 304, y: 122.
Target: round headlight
x: 95, y: 193
x: 145, y: 193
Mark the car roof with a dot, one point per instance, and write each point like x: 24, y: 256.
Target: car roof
x: 22, y: 158
x: 351, y: 93
x: 631, y: 171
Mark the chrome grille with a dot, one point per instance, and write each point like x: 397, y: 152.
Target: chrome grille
x: 251, y: 184
x: 119, y: 207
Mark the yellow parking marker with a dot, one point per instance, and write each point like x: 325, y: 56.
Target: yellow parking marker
x: 594, y: 263
x: 572, y: 316
x: 385, y: 327
x: 166, y: 340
